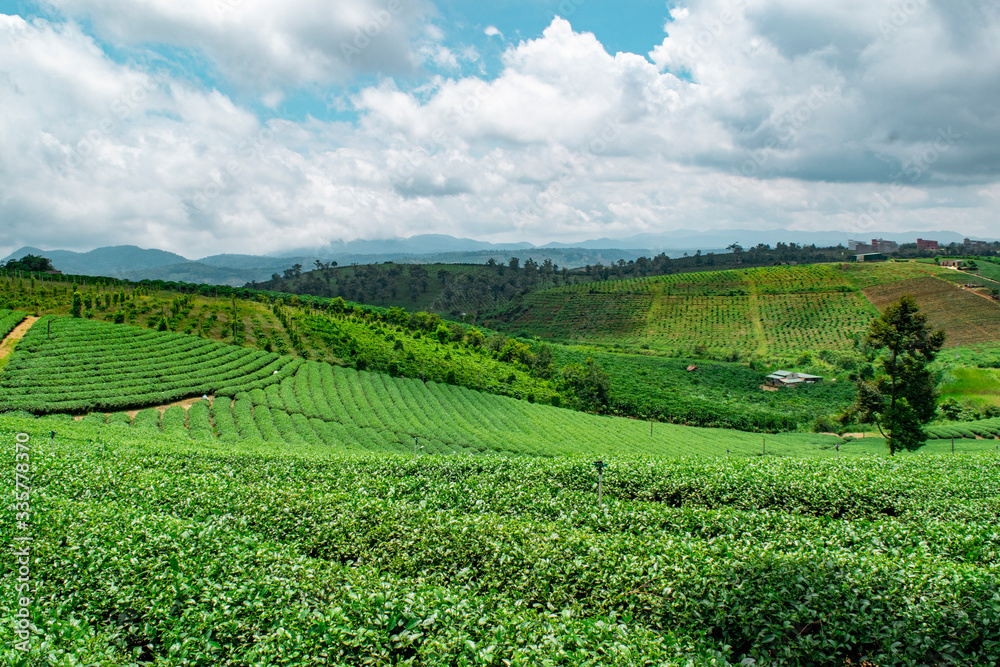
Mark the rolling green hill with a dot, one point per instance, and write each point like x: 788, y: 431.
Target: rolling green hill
x: 79, y: 366
x: 308, y: 513
x: 453, y: 289
x: 715, y: 393
x: 760, y: 311
x: 685, y: 319
x: 769, y: 313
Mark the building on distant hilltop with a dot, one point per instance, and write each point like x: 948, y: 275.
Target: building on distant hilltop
x: 871, y: 257
x: 883, y: 246
x: 923, y: 244
x: 790, y: 379
x: 975, y: 247
x: 877, y: 245
x: 953, y: 263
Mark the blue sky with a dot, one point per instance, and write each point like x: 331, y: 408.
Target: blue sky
x: 636, y: 27
x: 205, y: 126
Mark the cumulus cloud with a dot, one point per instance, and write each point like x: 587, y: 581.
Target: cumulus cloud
x: 777, y: 113
x: 264, y: 44
x: 890, y: 77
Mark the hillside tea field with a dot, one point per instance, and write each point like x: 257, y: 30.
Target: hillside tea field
x: 968, y: 318
x: 332, y: 409
x: 9, y: 319
x: 176, y: 551
x: 769, y: 311
x: 715, y: 393
x: 773, y: 310
x: 76, y: 365
x: 397, y: 349
x: 79, y: 366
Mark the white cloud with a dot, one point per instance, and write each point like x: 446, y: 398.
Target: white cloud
x: 260, y: 43
x: 753, y: 126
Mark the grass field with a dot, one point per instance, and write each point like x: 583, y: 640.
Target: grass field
x: 981, y: 385
x: 990, y: 271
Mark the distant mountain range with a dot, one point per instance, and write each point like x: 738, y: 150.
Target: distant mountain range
x: 134, y: 263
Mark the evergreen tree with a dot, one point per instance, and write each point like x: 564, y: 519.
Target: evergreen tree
x: 902, y: 397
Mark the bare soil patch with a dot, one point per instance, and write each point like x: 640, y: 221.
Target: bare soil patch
x: 17, y: 334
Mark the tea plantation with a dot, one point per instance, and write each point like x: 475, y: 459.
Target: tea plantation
x: 170, y: 550
x: 769, y: 311
x: 75, y: 365
x: 304, y: 513
x: 764, y: 310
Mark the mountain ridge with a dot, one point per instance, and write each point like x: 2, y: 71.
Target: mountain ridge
x: 135, y: 263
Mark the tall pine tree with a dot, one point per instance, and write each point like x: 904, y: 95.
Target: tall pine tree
x: 902, y: 397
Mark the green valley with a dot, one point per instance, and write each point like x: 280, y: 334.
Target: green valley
x: 221, y: 476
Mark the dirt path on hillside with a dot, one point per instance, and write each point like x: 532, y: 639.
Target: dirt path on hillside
x: 978, y: 293
x: 186, y: 404
x: 17, y: 334
x: 755, y: 320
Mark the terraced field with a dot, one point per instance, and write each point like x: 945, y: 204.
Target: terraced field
x: 332, y: 409
x: 988, y: 429
x: 310, y: 514
x: 81, y: 366
x: 8, y: 320
x: 777, y: 310
x: 771, y: 311
x: 865, y: 275
x: 78, y: 365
